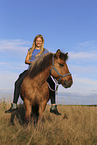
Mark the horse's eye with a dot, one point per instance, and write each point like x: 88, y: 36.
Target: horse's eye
x: 61, y: 64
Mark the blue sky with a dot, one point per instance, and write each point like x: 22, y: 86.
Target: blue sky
x: 70, y: 25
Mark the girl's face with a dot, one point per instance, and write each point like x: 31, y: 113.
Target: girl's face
x: 38, y: 42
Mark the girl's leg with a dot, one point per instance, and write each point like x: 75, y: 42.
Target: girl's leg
x: 17, y: 92
x: 18, y: 85
x: 52, y: 95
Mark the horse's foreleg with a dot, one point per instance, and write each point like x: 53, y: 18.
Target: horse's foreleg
x: 28, y: 109
x: 42, y: 108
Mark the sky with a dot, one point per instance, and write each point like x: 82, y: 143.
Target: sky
x: 69, y: 25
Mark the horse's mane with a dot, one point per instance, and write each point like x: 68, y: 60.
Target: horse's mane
x: 41, y: 63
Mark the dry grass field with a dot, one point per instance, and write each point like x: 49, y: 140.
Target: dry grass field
x: 79, y: 127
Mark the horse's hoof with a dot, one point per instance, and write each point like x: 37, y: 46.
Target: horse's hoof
x: 11, y: 123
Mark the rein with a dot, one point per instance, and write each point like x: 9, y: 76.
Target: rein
x: 56, y: 84
x: 51, y: 88
x: 60, y: 76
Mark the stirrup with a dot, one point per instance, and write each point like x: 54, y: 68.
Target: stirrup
x: 11, y: 109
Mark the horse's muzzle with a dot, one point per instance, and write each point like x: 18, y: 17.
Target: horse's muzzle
x: 67, y: 84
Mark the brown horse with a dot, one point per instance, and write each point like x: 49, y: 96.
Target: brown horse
x: 34, y: 89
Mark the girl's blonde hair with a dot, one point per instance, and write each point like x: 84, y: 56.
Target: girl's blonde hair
x: 34, y: 45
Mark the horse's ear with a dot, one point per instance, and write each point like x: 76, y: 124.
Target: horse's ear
x: 58, y: 53
x: 67, y: 53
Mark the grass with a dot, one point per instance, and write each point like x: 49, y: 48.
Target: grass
x: 78, y: 128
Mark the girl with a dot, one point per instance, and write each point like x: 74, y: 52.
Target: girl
x: 35, y: 51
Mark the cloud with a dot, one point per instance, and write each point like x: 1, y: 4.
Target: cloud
x: 13, y: 48
x: 2, y: 63
x: 83, y: 67
x: 13, y: 53
x: 12, y: 56
x: 7, y: 79
x: 82, y: 64
x: 84, y: 70
x: 86, y: 46
x: 13, y: 44
x: 81, y: 85
x: 85, y: 52
x: 14, y: 67
x: 83, y: 56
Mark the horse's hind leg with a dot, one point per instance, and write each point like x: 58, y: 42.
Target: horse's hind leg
x: 28, y: 109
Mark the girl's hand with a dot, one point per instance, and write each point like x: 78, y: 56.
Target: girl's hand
x: 27, y: 60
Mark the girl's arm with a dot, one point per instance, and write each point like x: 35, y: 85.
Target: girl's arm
x: 27, y: 60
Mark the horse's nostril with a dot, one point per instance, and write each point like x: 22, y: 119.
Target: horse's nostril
x: 67, y: 83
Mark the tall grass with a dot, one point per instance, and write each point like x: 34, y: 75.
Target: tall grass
x: 79, y: 127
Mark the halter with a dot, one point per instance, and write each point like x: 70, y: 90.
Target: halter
x: 60, y: 76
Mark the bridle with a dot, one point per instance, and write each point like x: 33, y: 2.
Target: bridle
x: 60, y: 76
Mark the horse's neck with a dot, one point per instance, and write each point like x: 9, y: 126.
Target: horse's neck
x: 42, y: 77
x: 46, y: 73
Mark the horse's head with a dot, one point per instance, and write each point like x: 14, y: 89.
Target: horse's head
x: 60, y: 70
